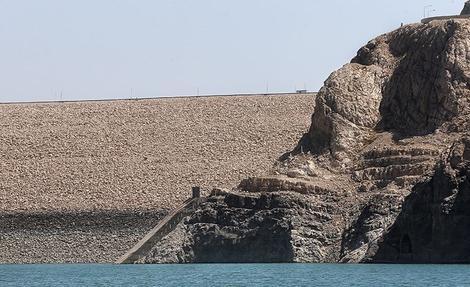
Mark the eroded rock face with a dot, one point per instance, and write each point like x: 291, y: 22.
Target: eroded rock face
x: 434, y: 223
x: 381, y: 175
x: 233, y: 228
x: 409, y: 81
x: 429, y: 84
x: 347, y: 109
x: 256, y: 228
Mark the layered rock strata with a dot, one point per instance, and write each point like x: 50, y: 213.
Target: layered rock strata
x: 381, y: 175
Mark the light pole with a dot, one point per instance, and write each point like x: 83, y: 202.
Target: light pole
x: 425, y: 9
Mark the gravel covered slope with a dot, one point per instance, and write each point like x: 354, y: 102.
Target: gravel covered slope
x: 78, y: 161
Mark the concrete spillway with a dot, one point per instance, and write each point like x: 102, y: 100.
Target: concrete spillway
x: 163, y: 228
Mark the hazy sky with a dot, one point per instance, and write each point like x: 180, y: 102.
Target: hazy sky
x: 94, y: 49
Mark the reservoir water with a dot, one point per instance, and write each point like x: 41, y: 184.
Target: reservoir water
x: 235, y: 275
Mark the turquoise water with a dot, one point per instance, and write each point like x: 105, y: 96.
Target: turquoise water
x: 235, y: 275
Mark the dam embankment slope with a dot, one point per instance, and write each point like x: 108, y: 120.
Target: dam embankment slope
x: 84, y: 181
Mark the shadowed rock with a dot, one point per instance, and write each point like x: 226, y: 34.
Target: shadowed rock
x: 466, y: 9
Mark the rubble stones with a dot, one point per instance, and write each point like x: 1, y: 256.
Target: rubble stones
x: 73, y: 162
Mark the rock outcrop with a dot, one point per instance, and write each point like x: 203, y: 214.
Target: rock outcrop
x: 434, y: 223
x: 381, y: 175
x: 466, y: 9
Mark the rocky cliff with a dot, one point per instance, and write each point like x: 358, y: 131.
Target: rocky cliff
x: 381, y: 175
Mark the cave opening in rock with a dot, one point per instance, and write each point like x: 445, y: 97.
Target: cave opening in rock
x: 405, y: 245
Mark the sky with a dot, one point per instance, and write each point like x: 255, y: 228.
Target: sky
x: 106, y: 49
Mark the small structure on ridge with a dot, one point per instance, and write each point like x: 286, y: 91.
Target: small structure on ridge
x: 465, y: 14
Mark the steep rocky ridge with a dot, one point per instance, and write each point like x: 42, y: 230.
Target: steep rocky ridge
x: 381, y: 175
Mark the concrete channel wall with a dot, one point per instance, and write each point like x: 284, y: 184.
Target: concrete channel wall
x: 164, y: 227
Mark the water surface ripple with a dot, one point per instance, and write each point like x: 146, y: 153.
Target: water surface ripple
x: 235, y: 275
